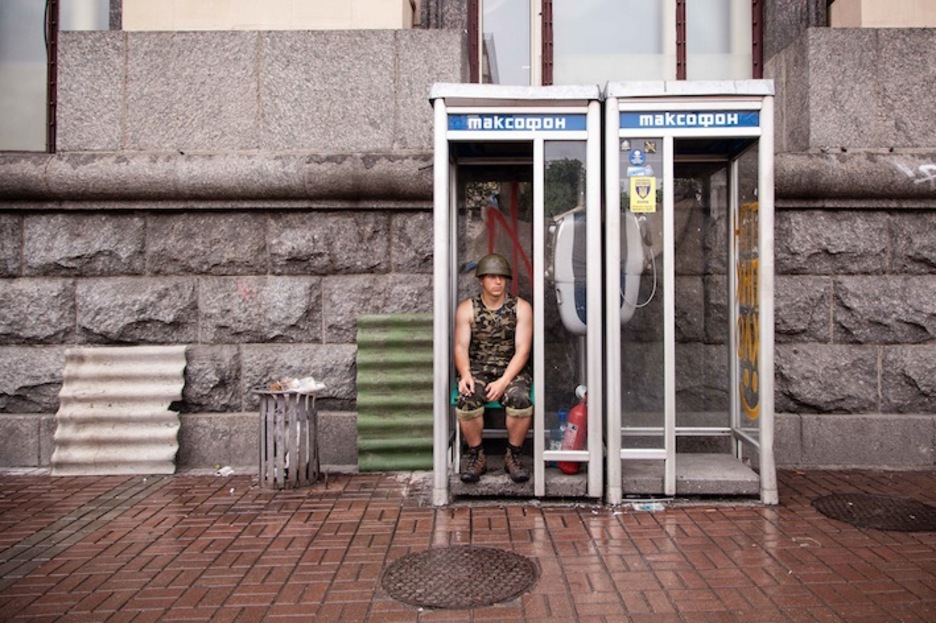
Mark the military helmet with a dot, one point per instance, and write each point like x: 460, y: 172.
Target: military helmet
x: 493, y: 264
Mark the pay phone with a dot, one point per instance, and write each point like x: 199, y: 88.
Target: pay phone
x: 568, y: 250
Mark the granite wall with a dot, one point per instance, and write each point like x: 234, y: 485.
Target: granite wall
x: 247, y: 194
x: 855, y: 252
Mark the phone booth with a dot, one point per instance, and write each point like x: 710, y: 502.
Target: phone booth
x: 517, y: 171
x: 689, y: 223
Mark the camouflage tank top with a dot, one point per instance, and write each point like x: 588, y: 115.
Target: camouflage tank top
x: 493, y: 333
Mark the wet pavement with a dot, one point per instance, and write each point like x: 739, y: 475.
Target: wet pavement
x: 201, y: 547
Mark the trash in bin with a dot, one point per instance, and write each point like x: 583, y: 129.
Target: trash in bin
x: 289, y: 456
x: 307, y: 385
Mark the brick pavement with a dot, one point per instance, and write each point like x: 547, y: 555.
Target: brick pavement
x: 206, y: 548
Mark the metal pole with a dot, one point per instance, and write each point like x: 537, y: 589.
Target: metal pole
x: 669, y: 322
x: 613, y: 490
x: 765, y: 283
x: 441, y: 364
x: 595, y: 335
x: 539, y: 287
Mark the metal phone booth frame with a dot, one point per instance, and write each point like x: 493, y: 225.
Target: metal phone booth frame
x: 472, y: 115
x: 729, y: 119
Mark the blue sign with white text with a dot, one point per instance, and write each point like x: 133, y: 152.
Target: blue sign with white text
x: 690, y: 119
x: 497, y: 122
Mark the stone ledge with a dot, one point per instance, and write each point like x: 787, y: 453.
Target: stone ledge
x: 855, y: 178
x: 177, y: 180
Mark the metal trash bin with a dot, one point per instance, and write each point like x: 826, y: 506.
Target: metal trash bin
x: 289, y: 455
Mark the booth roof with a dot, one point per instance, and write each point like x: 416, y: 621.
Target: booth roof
x: 488, y: 94
x: 673, y: 88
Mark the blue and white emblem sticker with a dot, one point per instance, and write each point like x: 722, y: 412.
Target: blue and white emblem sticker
x: 637, y: 157
x: 644, y: 171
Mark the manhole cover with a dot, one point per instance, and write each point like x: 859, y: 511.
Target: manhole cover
x: 459, y: 577
x: 880, y: 512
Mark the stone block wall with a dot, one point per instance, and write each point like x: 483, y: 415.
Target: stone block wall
x: 246, y: 194
x: 256, y: 295
x: 253, y: 292
x: 312, y: 92
x: 855, y: 257
x: 877, y: 308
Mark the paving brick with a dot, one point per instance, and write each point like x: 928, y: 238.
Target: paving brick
x: 189, y: 550
x: 659, y: 601
x: 244, y: 597
x: 656, y: 618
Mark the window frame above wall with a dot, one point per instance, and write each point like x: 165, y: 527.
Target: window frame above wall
x: 542, y: 33
x: 29, y: 75
x: 41, y: 22
x: 51, y: 33
x: 55, y: 17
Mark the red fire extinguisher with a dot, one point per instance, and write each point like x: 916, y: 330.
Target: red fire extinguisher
x: 576, y: 431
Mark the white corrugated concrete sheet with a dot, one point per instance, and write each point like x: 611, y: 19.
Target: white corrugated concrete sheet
x: 114, y: 415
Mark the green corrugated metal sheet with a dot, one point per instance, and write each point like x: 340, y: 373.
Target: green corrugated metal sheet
x: 394, y: 392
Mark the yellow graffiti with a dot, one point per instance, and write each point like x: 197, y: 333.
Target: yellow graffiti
x: 747, y: 331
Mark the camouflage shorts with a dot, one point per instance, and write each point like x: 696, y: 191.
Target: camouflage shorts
x: 516, y: 399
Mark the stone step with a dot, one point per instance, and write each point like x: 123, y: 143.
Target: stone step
x: 696, y: 474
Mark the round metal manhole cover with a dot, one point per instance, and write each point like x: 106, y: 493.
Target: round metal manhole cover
x: 881, y: 512
x: 458, y: 577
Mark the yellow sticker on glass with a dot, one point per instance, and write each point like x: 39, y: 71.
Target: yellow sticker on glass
x: 643, y: 194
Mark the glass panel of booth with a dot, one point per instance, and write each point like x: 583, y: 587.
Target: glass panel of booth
x: 495, y: 216
x: 746, y: 313
x: 641, y: 293
x: 566, y: 263
x: 708, y: 238
x: 495, y: 200
x: 701, y: 223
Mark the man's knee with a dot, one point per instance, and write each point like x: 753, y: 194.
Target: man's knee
x: 470, y: 403
x: 517, y: 399
x: 519, y: 413
x: 469, y: 414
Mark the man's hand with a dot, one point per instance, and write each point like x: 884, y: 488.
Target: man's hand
x: 495, y: 390
x: 466, y: 385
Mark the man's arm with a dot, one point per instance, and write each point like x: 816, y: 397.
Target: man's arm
x: 463, y: 316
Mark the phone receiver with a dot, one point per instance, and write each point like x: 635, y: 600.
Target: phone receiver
x: 635, y: 233
x: 568, y: 265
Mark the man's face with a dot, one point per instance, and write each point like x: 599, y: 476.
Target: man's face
x: 494, y: 285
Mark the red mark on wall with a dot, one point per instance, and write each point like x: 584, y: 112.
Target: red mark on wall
x: 495, y: 219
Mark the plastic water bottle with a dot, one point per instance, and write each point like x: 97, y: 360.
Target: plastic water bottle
x: 557, y: 433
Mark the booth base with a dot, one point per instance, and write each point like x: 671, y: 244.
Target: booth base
x: 696, y: 474
x: 496, y: 483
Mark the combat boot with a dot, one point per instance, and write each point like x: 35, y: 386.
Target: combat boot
x: 475, y: 464
x: 513, y: 465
